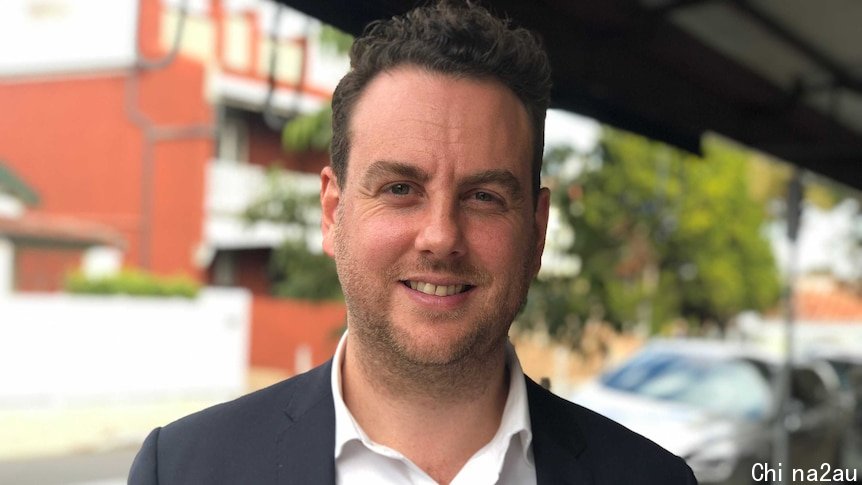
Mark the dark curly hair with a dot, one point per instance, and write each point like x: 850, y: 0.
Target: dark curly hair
x: 463, y: 40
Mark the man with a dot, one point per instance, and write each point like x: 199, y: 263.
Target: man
x: 433, y: 213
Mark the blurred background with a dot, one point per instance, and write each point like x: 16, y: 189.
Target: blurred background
x: 160, y: 251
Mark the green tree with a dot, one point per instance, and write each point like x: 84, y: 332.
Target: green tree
x: 313, y: 130
x: 660, y: 234
x: 773, y: 177
x: 295, y: 270
x: 308, y: 131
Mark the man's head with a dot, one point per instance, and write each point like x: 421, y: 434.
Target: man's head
x: 436, y: 223
x: 457, y: 40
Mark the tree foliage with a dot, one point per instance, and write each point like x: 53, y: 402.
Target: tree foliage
x: 313, y: 131
x: 308, y: 131
x: 773, y: 177
x: 300, y: 273
x: 295, y: 270
x: 334, y: 40
x: 660, y: 234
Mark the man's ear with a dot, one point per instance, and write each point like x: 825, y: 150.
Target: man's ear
x: 543, y: 207
x: 330, y: 195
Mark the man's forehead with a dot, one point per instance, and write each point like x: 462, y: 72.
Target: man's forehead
x: 410, y: 86
x: 414, y: 111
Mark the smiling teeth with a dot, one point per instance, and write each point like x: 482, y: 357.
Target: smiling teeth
x: 437, y: 290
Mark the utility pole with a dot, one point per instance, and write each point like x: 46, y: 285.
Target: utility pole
x: 781, y: 430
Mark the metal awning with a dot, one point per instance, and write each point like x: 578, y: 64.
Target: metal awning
x: 781, y: 76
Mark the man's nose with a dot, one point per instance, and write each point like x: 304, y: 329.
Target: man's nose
x: 441, y: 232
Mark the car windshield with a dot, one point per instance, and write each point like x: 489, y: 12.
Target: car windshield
x: 727, y: 387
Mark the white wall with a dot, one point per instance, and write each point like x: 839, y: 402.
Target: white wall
x: 58, y: 349
x: 102, y: 261
x: 7, y: 267
x: 233, y: 187
x: 10, y: 206
x: 59, y: 36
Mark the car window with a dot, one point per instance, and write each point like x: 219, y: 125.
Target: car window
x: 848, y: 373
x: 726, y: 387
x: 809, y: 388
x: 841, y: 370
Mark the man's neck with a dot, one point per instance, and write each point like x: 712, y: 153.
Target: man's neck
x: 437, y: 420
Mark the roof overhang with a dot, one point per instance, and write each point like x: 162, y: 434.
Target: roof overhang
x: 781, y: 76
x: 11, y: 183
x: 57, y: 231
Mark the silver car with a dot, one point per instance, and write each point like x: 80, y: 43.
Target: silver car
x: 713, y: 403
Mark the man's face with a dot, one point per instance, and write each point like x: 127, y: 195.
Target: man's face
x: 434, y: 233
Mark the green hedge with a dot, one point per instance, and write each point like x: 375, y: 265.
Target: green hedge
x: 132, y: 282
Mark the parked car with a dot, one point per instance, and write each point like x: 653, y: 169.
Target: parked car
x: 847, y: 364
x: 715, y: 405
x: 848, y: 367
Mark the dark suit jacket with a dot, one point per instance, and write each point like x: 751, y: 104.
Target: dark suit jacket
x: 285, y: 434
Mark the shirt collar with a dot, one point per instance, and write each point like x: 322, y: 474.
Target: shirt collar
x: 515, y: 419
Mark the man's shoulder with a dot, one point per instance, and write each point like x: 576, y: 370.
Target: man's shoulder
x: 250, y: 439
x: 600, y: 444
x: 272, y: 400
x: 252, y: 423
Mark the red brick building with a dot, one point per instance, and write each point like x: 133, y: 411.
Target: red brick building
x: 114, y: 119
x: 37, y: 250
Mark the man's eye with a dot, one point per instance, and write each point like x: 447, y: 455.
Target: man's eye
x: 484, y: 197
x: 399, y: 189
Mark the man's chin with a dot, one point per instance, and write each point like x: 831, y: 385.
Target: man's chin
x: 440, y: 348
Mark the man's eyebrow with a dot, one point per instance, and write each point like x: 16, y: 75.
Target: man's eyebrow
x: 387, y: 168
x: 498, y: 176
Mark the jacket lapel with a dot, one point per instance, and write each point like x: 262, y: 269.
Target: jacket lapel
x: 306, y: 446
x: 557, y: 439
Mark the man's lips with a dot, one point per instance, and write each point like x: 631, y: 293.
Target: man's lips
x: 436, y: 290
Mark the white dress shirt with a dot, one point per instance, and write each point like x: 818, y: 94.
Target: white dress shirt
x: 506, y: 459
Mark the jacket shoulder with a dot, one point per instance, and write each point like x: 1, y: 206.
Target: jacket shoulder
x: 260, y: 408
x: 604, y: 450
x: 238, y: 439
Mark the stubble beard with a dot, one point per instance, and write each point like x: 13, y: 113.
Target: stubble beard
x: 456, y: 369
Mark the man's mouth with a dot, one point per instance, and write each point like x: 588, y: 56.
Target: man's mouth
x: 436, y: 290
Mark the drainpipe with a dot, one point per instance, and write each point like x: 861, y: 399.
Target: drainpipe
x: 153, y: 133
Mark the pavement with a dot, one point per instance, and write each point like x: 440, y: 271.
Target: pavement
x: 80, y: 445
x: 102, y: 468
x: 90, y: 443
x: 43, y: 432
